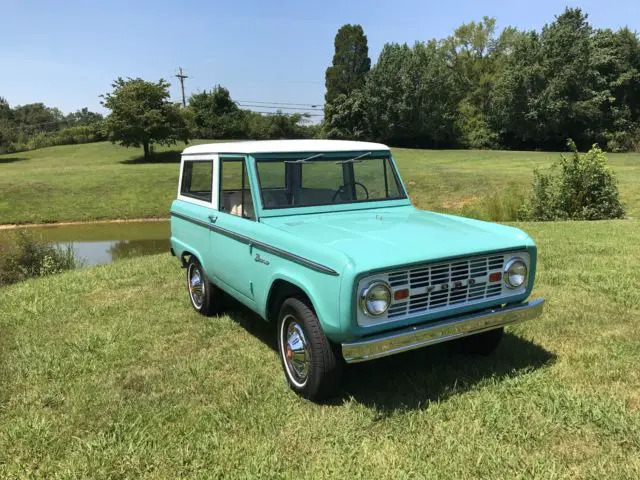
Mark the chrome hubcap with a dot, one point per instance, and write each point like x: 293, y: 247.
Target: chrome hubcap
x: 196, y: 286
x: 295, y: 351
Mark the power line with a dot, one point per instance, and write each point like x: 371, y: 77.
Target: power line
x: 182, y: 77
x: 312, y: 105
x: 276, y: 113
x: 278, y: 107
x: 26, y: 126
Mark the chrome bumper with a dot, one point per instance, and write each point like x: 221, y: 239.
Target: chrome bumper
x: 390, y: 343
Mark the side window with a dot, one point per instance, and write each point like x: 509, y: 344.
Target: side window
x: 196, y: 180
x: 235, y: 193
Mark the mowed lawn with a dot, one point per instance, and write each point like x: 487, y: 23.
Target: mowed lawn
x: 104, y: 181
x: 107, y: 372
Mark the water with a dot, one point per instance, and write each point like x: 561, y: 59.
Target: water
x: 96, y: 243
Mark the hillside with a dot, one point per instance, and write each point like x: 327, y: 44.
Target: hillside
x: 103, y: 181
x: 102, y: 376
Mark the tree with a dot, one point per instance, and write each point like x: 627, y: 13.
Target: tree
x: 350, y: 64
x: 141, y: 115
x: 7, y: 127
x: 347, y: 117
x: 616, y: 59
x: 412, y: 96
x: 474, y: 52
x: 549, y: 89
x: 38, y: 117
x: 83, y: 117
x: 5, y: 110
x: 216, y: 115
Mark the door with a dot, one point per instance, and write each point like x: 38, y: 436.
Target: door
x: 189, y: 220
x: 232, y: 227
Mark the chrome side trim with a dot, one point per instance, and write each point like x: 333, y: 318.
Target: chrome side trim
x: 263, y: 246
x: 390, y: 343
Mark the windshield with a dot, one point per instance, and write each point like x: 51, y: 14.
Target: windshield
x: 313, y: 180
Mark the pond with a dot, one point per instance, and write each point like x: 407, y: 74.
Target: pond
x: 96, y: 243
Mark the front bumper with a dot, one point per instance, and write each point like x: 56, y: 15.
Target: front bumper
x: 390, y: 343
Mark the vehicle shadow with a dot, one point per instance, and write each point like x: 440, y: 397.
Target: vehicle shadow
x: 156, y: 157
x: 412, y: 380
x: 11, y: 159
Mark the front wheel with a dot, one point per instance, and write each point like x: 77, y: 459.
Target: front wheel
x: 312, y: 364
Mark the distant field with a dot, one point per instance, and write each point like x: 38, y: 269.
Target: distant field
x: 103, y: 181
x: 103, y: 376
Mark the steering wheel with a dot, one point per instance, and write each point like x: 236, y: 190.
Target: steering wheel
x: 343, y: 186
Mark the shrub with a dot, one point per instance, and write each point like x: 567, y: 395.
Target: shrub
x: 23, y: 256
x: 576, y: 187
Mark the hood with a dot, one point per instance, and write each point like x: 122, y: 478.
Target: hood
x: 380, y: 238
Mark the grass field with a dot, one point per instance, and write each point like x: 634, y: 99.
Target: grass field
x: 102, y: 376
x: 103, y: 181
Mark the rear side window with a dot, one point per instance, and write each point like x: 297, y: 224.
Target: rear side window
x: 196, y: 180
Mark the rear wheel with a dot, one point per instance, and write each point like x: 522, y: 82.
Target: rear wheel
x: 205, y: 297
x: 481, y: 343
x: 312, y: 364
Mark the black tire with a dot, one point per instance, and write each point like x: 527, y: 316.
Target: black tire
x: 209, y: 300
x: 481, y: 343
x: 322, y: 357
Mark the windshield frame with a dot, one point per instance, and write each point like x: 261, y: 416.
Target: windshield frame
x: 401, y: 199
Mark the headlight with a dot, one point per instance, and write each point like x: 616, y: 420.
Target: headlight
x: 375, y: 298
x: 515, y: 273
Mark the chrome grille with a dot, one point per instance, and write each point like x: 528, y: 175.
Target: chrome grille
x: 443, y: 285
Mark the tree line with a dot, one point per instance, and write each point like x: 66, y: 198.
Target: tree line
x: 141, y: 115
x: 35, y: 125
x: 482, y: 89
x: 476, y: 88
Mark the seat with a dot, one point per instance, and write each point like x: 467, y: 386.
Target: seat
x: 233, y: 204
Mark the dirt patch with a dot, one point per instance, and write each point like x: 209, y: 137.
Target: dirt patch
x: 459, y: 202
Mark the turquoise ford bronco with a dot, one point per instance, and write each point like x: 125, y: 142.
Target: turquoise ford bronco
x: 320, y: 237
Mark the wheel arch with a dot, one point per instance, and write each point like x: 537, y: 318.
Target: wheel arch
x: 279, y: 291
x: 185, y: 256
x: 184, y: 251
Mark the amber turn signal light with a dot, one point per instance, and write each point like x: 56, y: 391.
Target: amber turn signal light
x: 401, y: 294
x: 495, y: 277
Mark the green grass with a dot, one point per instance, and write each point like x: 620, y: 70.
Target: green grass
x: 109, y: 373
x: 103, y: 181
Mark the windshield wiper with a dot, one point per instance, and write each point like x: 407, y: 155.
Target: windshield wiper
x: 355, y: 159
x: 305, y: 160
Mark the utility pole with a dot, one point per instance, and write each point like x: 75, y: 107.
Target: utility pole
x: 182, y: 76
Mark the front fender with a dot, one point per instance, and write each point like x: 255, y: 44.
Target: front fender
x: 323, y: 292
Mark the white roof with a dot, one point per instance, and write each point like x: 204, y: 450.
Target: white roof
x: 285, y: 146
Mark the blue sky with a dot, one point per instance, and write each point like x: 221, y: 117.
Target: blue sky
x: 66, y: 53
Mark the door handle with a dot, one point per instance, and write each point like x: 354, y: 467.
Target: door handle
x: 213, y: 218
